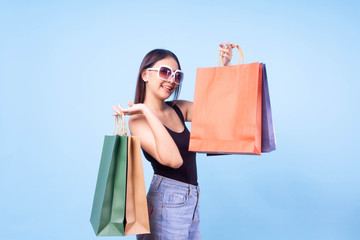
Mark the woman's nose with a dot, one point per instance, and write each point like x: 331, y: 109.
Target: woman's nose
x: 172, y: 78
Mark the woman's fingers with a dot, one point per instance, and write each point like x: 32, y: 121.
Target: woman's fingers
x: 117, y: 112
x: 229, y: 45
x: 123, y: 110
x: 226, y: 46
x: 132, y: 109
x: 128, y: 111
x: 225, y: 49
x: 225, y: 52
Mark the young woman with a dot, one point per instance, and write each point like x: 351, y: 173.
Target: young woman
x: 173, y: 197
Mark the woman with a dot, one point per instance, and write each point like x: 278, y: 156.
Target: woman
x: 173, y: 197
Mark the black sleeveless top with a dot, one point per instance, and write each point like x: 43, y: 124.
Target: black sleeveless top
x: 187, y: 172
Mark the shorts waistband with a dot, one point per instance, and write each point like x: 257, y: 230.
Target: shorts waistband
x: 157, y: 179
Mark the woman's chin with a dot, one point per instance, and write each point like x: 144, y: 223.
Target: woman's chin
x: 165, y: 94
x: 165, y: 97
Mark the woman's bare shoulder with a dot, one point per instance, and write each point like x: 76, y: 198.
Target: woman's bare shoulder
x: 186, y: 108
x: 182, y: 103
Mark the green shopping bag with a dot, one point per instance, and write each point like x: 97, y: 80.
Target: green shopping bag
x: 108, y: 210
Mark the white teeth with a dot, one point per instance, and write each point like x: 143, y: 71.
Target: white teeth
x: 167, y: 88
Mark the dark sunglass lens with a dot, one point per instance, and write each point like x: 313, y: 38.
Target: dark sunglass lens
x: 165, y: 72
x: 179, y: 77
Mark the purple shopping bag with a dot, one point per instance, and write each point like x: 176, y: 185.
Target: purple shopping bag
x: 268, y: 140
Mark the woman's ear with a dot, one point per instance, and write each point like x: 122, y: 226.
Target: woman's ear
x: 145, y: 75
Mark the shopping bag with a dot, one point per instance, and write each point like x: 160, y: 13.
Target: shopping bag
x: 226, y: 114
x: 120, y: 206
x: 268, y: 140
x: 108, y: 210
x: 137, y: 218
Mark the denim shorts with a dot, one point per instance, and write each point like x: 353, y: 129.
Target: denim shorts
x: 173, y: 210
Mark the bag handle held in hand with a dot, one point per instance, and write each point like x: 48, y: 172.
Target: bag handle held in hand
x: 234, y: 45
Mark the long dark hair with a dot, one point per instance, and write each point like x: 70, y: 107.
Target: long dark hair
x: 149, y: 60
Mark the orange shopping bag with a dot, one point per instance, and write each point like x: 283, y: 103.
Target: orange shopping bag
x: 226, y: 114
x: 137, y: 218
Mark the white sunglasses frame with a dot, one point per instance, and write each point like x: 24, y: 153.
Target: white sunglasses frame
x: 172, y: 73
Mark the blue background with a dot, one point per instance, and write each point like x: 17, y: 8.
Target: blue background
x: 63, y: 64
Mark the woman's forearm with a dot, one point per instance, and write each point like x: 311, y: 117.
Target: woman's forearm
x: 167, y: 151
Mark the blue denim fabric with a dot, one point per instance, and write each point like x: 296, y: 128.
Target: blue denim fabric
x: 173, y: 210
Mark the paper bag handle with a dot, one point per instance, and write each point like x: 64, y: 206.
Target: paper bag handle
x: 120, y: 125
x: 233, y: 45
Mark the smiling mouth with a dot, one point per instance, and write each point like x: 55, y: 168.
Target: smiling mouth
x: 168, y: 89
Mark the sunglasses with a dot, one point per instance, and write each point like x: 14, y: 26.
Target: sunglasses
x: 165, y: 73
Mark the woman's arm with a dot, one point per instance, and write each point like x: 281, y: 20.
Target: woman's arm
x: 154, y: 137
x: 186, y: 109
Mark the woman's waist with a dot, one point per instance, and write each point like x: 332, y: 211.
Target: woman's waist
x: 159, y: 182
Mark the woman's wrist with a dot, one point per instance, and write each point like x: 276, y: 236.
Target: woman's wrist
x: 145, y: 110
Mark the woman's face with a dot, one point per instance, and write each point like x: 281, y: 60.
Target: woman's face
x: 160, y: 88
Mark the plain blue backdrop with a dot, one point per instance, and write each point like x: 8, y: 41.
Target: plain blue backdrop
x: 63, y: 64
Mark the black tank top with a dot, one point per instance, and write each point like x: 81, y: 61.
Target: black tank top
x: 187, y: 172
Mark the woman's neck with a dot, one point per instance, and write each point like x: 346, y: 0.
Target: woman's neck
x: 155, y: 104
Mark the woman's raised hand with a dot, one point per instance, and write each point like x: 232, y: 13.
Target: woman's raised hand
x: 133, y: 109
x: 225, y: 52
